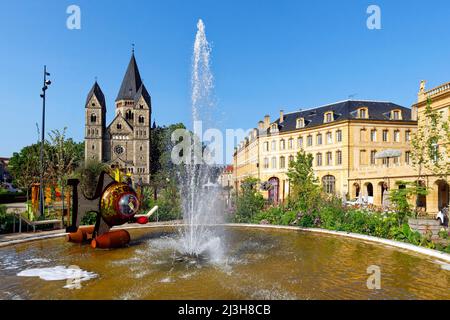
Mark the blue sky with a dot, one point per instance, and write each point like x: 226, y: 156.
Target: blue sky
x: 267, y: 56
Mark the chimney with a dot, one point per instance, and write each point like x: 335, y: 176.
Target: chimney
x: 281, y: 116
x: 266, y: 121
x: 260, y: 125
x: 414, y: 112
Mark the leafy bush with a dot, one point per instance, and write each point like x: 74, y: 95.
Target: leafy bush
x: 6, y: 220
x: 90, y: 218
x: 249, y: 201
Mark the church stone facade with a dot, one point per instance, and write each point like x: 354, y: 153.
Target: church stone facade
x: 125, y: 142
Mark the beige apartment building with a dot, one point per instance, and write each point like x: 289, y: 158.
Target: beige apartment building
x: 345, y: 139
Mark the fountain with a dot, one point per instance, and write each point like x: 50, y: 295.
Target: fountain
x: 261, y: 262
x: 201, y: 207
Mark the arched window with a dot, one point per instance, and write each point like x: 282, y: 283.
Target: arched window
x: 141, y: 119
x: 93, y: 147
x: 282, y: 144
x: 300, y: 123
x: 129, y: 115
x: 89, y: 132
x: 319, y: 159
x: 282, y: 162
x: 93, y: 118
x: 329, y: 184
x: 274, y: 163
x: 119, y: 126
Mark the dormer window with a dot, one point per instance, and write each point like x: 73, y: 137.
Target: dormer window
x: 396, y: 115
x: 274, y: 128
x: 363, y: 113
x: 328, y: 117
x: 300, y: 123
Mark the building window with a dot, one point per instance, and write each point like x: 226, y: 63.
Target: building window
x: 300, y: 142
x: 93, y: 147
x: 140, y: 148
x: 329, y: 159
x: 396, y: 115
x: 141, y: 106
x: 385, y: 135
x: 309, y: 141
x: 282, y: 144
x: 319, y: 159
x: 373, y: 135
x: 407, y: 157
x: 328, y: 117
x: 319, y: 139
x: 362, y: 135
x: 119, y: 126
x: 396, y: 160
x: 290, y: 144
x: 129, y: 115
x: 339, y: 136
x: 266, y: 146
x: 93, y: 118
x: 266, y: 163
x: 407, y: 135
x: 89, y: 132
x: 329, y: 184
x: 141, y: 119
x: 274, y: 145
x: 274, y: 163
x: 396, y: 136
x: 363, y: 113
x: 362, y: 157
x: 329, y: 138
x: 372, y: 157
x: 291, y: 159
x: 300, y: 123
x: 338, y: 157
x: 385, y: 161
x: 274, y: 128
x: 282, y: 162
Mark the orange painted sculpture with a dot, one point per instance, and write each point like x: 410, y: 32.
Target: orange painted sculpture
x: 115, y: 203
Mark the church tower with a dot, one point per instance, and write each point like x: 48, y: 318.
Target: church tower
x: 95, y: 124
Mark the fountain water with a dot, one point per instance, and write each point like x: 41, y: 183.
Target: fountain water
x: 201, y: 207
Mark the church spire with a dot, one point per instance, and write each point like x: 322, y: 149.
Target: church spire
x: 131, y: 81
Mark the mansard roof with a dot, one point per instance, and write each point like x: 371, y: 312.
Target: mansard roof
x: 98, y: 93
x: 131, y: 81
x: 343, y: 110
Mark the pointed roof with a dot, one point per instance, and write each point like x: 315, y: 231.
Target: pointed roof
x: 98, y: 93
x: 144, y: 93
x: 131, y: 81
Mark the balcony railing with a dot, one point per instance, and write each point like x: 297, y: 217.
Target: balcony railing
x: 438, y: 90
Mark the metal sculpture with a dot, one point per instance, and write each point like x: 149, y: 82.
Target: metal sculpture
x: 115, y: 203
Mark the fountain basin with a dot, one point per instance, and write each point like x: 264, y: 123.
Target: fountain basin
x: 259, y: 263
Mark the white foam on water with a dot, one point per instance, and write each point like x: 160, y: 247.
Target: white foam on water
x: 59, y: 273
x: 37, y: 260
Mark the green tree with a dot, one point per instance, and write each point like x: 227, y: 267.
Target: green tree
x: 401, y: 198
x: 63, y: 156
x: 249, y: 200
x: 305, y: 189
x: 24, y: 167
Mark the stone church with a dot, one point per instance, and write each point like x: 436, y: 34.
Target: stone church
x: 125, y: 142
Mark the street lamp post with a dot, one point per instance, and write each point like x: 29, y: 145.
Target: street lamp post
x: 41, y: 186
